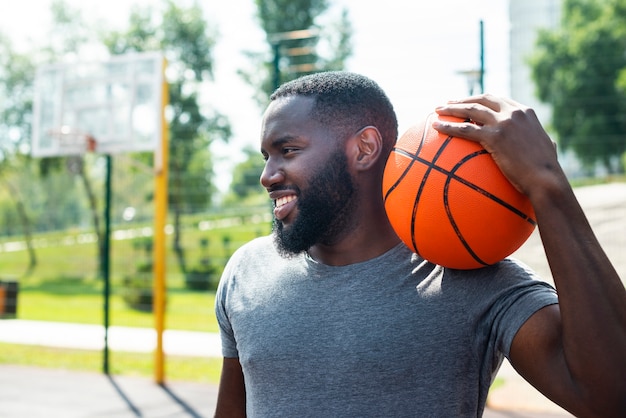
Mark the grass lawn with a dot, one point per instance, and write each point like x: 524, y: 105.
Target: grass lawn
x: 65, y: 287
x: 192, y: 369
x: 191, y: 311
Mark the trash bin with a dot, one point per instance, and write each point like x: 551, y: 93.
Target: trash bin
x: 8, y: 298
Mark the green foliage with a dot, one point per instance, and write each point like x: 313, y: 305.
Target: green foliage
x: 65, y: 285
x: 246, y: 176
x: 202, y: 276
x: 69, y: 33
x: 138, y: 292
x: 137, y: 286
x: 51, y: 202
x: 302, y: 14
x: 579, y: 70
x: 327, y: 48
x: 16, y: 100
x: 187, y: 42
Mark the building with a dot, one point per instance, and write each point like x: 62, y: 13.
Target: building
x: 526, y: 18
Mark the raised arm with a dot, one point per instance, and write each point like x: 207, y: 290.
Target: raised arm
x: 231, y: 396
x: 573, y: 352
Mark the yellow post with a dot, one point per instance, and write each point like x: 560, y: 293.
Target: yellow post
x: 160, y: 217
x: 2, y: 299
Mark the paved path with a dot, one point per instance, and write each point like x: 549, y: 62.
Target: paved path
x: 605, y: 207
x: 91, y: 337
x: 29, y: 392
x: 35, y: 392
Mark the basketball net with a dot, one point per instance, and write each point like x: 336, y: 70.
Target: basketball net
x: 73, y: 141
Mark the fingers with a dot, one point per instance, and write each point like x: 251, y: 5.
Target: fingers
x: 490, y: 101
x: 484, y: 115
x: 486, y: 100
x: 466, y: 130
x: 485, y: 109
x: 481, y: 112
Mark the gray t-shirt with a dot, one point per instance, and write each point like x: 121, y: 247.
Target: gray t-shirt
x: 394, y: 336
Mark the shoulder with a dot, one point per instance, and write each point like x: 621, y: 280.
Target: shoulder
x: 257, y: 259
x: 491, y: 290
x: 258, y: 248
x: 505, y: 282
x: 508, y: 272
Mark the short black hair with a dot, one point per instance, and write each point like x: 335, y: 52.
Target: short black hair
x: 346, y: 102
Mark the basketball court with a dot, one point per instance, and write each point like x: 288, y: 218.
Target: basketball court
x: 116, y: 107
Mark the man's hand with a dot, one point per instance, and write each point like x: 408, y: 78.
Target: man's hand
x: 511, y: 133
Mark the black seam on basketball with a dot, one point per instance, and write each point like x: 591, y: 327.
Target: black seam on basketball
x: 450, y: 174
x: 457, y: 230
x: 402, y: 176
x: 408, y: 168
x: 480, y: 190
x: 422, y: 185
x: 484, y: 192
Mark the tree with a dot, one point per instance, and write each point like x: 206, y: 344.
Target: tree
x: 580, y: 70
x: 68, y: 36
x: 321, y: 46
x: 246, y: 178
x: 187, y: 42
x: 30, y: 199
x: 16, y: 73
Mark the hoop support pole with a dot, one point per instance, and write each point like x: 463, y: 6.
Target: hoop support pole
x: 106, y: 261
x: 160, y: 217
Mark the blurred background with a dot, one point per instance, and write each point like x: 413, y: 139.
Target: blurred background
x: 564, y: 58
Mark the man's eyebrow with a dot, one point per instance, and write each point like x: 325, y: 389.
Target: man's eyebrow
x: 280, y: 141
x: 283, y: 140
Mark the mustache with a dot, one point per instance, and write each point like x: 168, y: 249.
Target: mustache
x: 280, y: 188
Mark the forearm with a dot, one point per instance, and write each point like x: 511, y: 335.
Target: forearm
x: 576, y: 353
x: 592, y: 297
x: 231, y: 398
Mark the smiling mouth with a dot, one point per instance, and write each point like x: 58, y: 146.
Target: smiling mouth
x: 283, y: 206
x: 283, y: 200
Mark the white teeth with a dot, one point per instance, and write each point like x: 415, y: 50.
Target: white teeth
x: 284, y: 200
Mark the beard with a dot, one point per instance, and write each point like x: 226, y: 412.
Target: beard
x: 325, y: 209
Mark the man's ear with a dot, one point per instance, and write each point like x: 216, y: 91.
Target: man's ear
x: 366, y: 148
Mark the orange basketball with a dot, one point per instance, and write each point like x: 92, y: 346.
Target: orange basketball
x: 449, y: 202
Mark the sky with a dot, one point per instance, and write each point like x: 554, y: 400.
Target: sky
x: 413, y: 49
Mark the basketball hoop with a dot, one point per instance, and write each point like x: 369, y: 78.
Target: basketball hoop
x: 72, y: 141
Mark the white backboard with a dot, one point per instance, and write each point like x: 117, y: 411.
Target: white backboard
x: 117, y: 102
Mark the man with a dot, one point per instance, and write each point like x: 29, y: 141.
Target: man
x: 334, y: 316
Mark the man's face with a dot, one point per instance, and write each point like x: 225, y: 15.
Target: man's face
x: 306, y: 174
x: 322, y: 208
